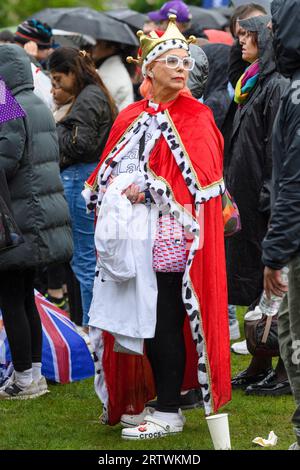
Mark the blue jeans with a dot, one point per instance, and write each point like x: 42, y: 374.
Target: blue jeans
x: 232, y: 314
x: 84, y: 259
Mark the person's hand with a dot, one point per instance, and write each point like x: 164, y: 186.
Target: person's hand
x: 273, y: 284
x: 133, y: 193
x: 31, y: 48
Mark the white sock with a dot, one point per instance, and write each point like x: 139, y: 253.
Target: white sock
x: 23, y: 379
x: 174, y: 419
x: 36, y: 371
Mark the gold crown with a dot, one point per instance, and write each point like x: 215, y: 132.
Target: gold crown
x: 149, y: 42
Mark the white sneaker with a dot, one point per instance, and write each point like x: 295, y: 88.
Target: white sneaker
x: 43, y: 386
x: 8, y: 381
x: 240, y: 348
x: 131, y: 421
x: 294, y: 446
x: 14, y: 392
x: 234, y: 330
x: 152, y: 428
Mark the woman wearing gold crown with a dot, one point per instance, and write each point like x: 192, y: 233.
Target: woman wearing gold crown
x: 162, y: 162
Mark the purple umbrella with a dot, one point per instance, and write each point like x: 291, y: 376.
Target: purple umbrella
x: 9, y: 107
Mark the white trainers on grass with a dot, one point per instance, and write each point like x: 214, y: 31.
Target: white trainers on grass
x: 152, y: 428
x: 13, y: 392
x: 43, y: 386
x: 131, y: 421
x: 240, y: 348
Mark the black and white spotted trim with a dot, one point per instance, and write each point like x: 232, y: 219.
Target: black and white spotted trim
x: 161, y: 49
x: 97, y: 343
x: 94, y: 196
x: 164, y: 199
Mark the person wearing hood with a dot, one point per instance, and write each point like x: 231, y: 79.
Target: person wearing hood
x: 198, y: 76
x: 281, y: 245
x: 236, y: 68
x: 29, y: 156
x: 248, y: 179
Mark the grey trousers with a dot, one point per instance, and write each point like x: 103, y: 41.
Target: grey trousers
x: 289, y: 336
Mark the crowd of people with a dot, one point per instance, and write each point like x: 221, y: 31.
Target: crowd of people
x: 120, y: 173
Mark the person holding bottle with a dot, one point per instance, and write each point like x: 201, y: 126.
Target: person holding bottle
x: 281, y: 245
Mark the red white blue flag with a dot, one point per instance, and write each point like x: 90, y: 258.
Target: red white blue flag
x: 65, y: 356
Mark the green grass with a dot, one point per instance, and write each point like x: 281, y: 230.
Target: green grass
x: 67, y: 418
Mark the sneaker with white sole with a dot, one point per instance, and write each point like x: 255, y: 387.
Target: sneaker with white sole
x: 7, y: 381
x: 43, y: 386
x: 152, y: 428
x: 295, y: 446
x: 13, y: 392
x: 240, y: 348
x: 131, y: 421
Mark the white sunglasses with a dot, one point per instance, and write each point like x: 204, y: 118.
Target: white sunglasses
x: 173, y: 61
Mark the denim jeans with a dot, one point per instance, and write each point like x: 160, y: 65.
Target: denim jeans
x: 232, y: 314
x: 84, y: 258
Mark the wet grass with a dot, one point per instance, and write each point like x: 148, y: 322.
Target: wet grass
x: 67, y: 418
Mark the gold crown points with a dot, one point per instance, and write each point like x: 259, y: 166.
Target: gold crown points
x: 149, y: 42
x: 131, y: 60
x: 192, y: 39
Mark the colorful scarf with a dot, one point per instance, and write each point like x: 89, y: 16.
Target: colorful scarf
x: 246, y: 83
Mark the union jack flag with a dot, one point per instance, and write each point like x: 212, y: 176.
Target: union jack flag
x: 65, y: 356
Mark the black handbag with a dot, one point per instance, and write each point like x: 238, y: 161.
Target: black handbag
x: 10, y: 235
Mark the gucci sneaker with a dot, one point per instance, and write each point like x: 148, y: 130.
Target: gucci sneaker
x: 152, y: 428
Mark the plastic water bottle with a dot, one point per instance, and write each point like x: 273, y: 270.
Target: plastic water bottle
x: 271, y: 306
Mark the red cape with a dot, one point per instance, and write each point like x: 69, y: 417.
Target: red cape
x: 128, y: 378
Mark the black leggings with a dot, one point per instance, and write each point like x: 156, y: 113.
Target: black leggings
x: 21, y: 319
x: 166, y: 351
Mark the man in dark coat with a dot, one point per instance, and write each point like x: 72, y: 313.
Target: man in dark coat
x: 281, y: 246
x: 29, y: 156
x: 248, y: 177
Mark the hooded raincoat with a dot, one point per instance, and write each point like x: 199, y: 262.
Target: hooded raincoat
x: 283, y: 240
x: 29, y: 156
x: 249, y: 172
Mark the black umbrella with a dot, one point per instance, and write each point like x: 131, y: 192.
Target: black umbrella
x: 207, y: 19
x: 89, y: 22
x: 71, y: 39
x: 133, y: 18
